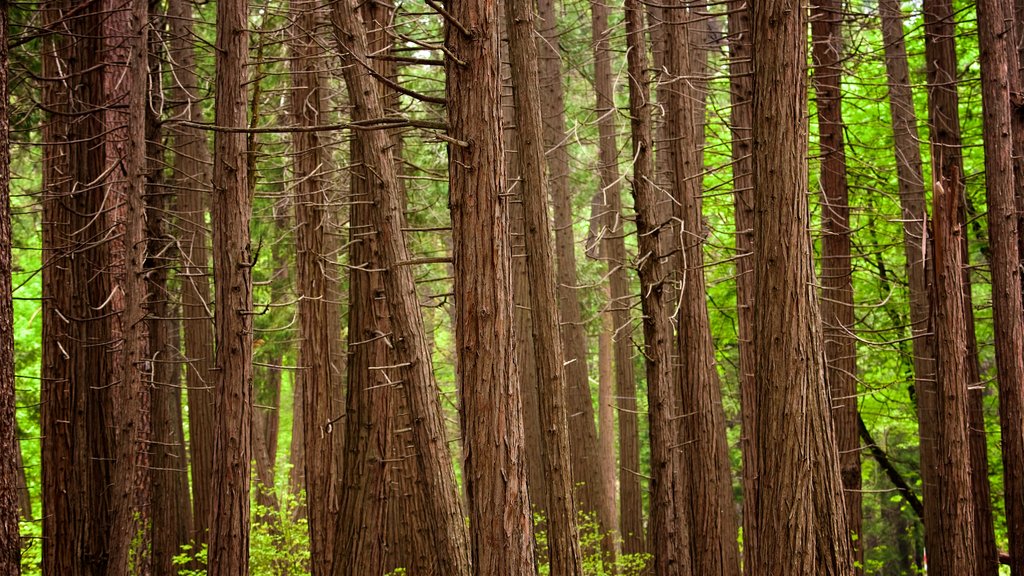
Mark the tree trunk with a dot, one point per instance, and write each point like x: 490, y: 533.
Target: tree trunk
x: 232, y: 267
x: 706, y: 452
x: 563, y: 536
x: 741, y: 71
x: 501, y: 538
x: 909, y: 167
x: 413, y: 367
x: 613, y: 249
x: 10, y: 543
x: 956, y: 518
x: 586, y: 463
x: 837, y: 259
x: 669, y: 521
x: 171, y: 512
x: 318, y: 309
x: 192, y: 181
x: 526, y: 354
x: 943, y: 108
x: 797, y: 458
x: 1000, y: 73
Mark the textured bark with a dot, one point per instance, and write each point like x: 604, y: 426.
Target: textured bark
x: 741, y: 70
x: 232, y: 262
x: 526, y: 353
x: 564, y: 554
x: 586, y: 463
x: 125, y: 78
x: 10, y: 543
x: 501, y: 539
x: 77, y: 367
x: 947, y: 166
x: 369, y: 435
x: 318, y: 309
x: 800, y: 493
x: 606, y: 418
x: 443, y: 511
x: 191, y: 179
x: 1000, y: 72
x: 956, y: 515
x: 669, y: 520
x: 171, y: 509
x: 613, y: 250
x: 62, y: 507
x: 707, y: 482
x: 909, y: 168
x: 837, y: 259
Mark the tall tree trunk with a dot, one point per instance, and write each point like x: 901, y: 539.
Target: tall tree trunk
x: 741, y: 88
x: 956, y: 518
x: 837, y: 259
x: 77, y: 370
x: 909, y: 168
x: 1000, y: 75
x: 171, y: 512
x: 192, y: 181
x: 526, y: 354
x: 318, y: 310
x: 669, y: 520
x: 797, y: 457
x: 613, y: 249
x: 232, y: 268
x: 10, y: 542
x: 944, y: 121
x: 586, y: 469
x: 563, y: 536
x: 413, y: 368
x: 708, y: 484
x: 501, y: 538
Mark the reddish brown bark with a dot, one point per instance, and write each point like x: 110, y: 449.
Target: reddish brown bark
x: 586, y: 470
x: 799, y: 476
x: 613, y: 249
x: 707, y: 483
x: 171, y: 509
x: 956, y: 516
x: 413, y: 368
x: 232, y: 263
x: 564, y: 553
x: 909, y: 167
x: 10, y: 543
x: 318, y: 309
x: 741, y: 70
x: 999, y: 72
x: 77, y: 367
x: 669, y: 520
x: 125, y: 50
x: 191, y: 179
x: 501, y: 540
x: 837, y: 259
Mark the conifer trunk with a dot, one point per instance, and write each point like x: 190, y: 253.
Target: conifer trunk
x: 669, y: 528
x: 797, y: 457
x: 501, y: 539
x: 10, y: 543
x: 613, y: 249
x: 741, y: 70
x: 562, y: 534
x: 999, y: 76
x: 191, y: 178
x: 837, y: 259
x: 232, y: 267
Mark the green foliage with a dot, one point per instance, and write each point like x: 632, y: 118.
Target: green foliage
x: 595, y: 561
x: 278, y: 538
